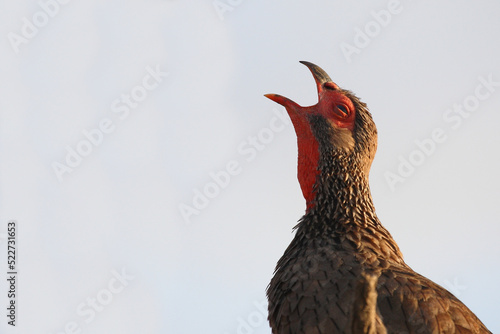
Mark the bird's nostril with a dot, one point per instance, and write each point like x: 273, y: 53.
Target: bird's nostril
x: 330, y: 86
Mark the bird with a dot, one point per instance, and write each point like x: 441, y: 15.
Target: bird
x: 324, y: 282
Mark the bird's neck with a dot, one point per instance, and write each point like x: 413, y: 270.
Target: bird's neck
x: 342, y: 211
x: 341, y: 194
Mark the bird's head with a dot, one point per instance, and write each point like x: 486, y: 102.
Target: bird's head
x: 335, y: 136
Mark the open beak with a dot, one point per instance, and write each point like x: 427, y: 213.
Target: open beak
x: 320, y: 77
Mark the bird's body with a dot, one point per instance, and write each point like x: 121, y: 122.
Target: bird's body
x: 340, y: 238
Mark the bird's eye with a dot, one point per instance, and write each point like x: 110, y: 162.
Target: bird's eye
x: 343, y: 109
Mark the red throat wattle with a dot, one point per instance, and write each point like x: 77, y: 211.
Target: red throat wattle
x: 307, y: 146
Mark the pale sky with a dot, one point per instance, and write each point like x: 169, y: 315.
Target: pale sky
x: 154, y: 186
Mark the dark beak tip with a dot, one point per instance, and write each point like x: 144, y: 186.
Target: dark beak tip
x: 319, y: 74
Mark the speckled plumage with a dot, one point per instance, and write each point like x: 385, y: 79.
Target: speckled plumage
x: 340, y: 238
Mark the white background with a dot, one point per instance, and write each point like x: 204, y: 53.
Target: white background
x: 119, y: 209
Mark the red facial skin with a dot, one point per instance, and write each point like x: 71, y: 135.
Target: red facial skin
x: 330, y: 99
